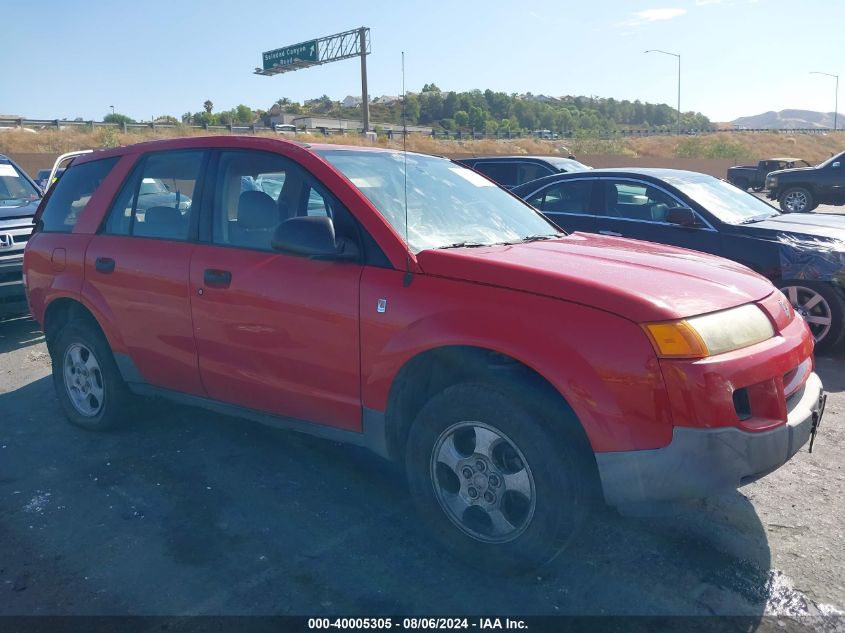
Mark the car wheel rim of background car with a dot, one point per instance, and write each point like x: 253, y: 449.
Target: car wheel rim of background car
x: 796, y: 201
x: 483, y: 482
x: 83, y: 380
x: 812, y: 307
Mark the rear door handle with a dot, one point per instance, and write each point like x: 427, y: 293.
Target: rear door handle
x: 217, y: 278
x: 104, y: 265
x: 611, y: 233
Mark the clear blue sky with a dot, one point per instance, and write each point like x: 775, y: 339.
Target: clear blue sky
x: 739, y: 57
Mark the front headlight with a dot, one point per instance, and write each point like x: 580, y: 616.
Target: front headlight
x: 710, y: 334
x: 772, y: 181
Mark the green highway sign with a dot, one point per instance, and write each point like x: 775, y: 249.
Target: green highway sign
x: 304, y: 52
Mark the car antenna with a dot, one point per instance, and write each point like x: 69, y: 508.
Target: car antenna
x: 406, y: 281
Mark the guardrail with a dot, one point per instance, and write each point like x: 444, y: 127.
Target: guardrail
x: 59, y: 124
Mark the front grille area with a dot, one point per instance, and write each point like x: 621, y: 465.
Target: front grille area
x: 10, y: 276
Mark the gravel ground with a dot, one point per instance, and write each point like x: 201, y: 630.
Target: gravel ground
x: 187, y: 512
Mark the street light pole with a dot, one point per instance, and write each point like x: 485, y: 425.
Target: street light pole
x: 112, y: 109
x: 835, y: 97
x: 654, y: 50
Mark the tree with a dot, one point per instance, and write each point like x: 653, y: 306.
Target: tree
x: 450, y: 105
x: 208, y: 106
x: 461, y: 118
x: 412, y: 108
x: 477, y: 118
x: 117, y: 117
x: 432, y: 87
x: 243, y: 114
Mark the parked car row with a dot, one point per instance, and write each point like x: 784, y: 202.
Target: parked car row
x: 406, y: 303
x: 801, y: 254
x: 19, y: 198
x: 797, y: 186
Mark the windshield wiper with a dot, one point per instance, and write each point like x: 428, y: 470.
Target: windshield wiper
x: 537, y: 238
x: 532, y: 238
x: 758, y: 218
x: 464, y: 244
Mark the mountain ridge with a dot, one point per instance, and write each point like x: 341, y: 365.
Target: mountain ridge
x: 789, y: 119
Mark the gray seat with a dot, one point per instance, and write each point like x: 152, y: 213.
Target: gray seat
x: 258, y: 217
x: 163, y: 222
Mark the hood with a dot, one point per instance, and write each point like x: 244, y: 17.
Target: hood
x: 166, y: 199
x: 638, y: 280
x: 781, y: 172
x: 20, y: 211
x: 816, y: 225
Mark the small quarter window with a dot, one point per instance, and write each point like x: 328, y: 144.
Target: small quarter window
x: 72, y: 194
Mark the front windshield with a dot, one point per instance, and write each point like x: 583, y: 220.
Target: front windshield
x: 448, y: 205
x: 725, y: 201
x: 833, y: 159
x: 15, y: 189
x: 568, y: 164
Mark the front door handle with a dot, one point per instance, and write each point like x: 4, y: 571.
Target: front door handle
x: 217, y: 278
x: 611, y: 233
x: 104, y: 265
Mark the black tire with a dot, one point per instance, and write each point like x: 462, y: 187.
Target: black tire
x: 797, y: 200
x: 554, y: 465
x: 112, y: 398
x: 800, y: 292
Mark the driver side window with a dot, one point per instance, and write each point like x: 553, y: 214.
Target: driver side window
x: 636, y: 201
x: 257, y: 191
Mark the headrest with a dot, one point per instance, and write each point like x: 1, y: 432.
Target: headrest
x: 160, y: 216
x: 256, y: 210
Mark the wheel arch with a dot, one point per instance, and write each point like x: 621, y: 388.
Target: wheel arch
x: 430, y: 371
x: 62, y: 310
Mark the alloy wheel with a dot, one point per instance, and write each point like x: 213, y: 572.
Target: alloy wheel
x: 796, y: 201
x: 83, y: 380
x: 483, y: 482
x: 812, y: 307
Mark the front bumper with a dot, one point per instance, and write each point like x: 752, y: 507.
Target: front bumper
x: 703, y: 462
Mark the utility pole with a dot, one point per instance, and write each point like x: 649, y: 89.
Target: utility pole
x: 835, y: 97
x: 654, y: 50
x: 365, y: 97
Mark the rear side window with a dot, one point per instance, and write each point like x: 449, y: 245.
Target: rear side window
x: 564, y: 197
x: 157, y: 200
x: 527, y: 172
x: 72, y: 193
x: 503, y: 173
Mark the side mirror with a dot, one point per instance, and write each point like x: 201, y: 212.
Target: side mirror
x: 312, y: 237
x: 682, y: 216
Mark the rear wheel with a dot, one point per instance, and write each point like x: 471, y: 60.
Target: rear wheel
x: 821, y: 307
x: 87, y: 381
x: 493, y: 484
x: 797, y: 200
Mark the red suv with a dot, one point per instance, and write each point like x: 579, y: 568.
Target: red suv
x: 405, y: 303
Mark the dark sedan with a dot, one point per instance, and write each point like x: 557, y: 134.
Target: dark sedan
x: 510, y: 171
x: 804, y: 255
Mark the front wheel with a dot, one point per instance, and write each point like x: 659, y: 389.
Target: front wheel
x: 797, y: 200
x: 495, y: 486
x: 821, y: 307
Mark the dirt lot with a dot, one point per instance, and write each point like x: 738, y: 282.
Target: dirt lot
x: 186, y: 512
